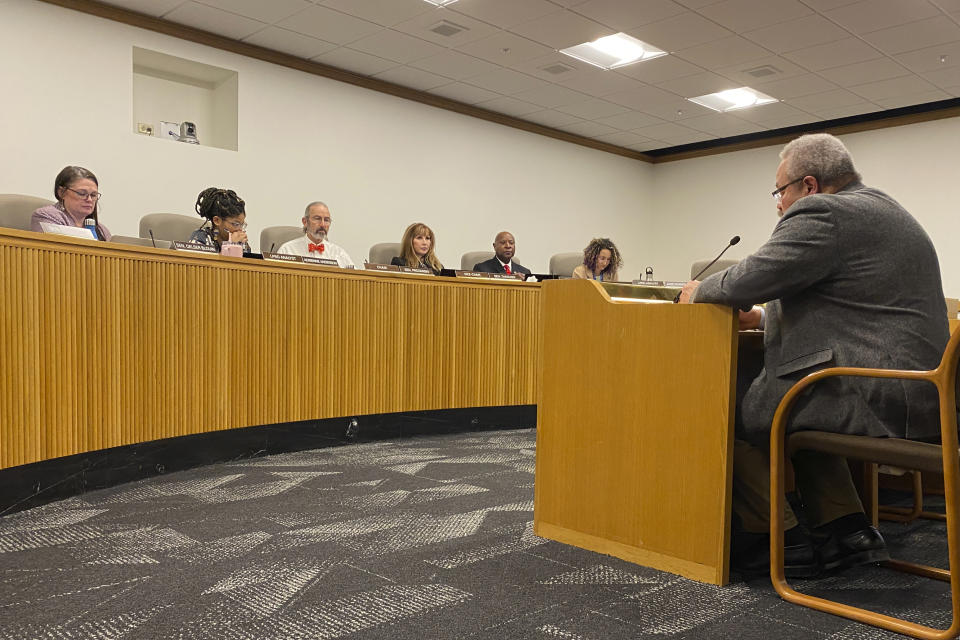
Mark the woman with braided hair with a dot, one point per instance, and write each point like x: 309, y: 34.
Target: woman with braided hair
x: 601, y: 261
x: 225, y: 212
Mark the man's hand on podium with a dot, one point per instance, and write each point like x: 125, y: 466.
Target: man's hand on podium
x: 750, y: 319
x: 686, y: 293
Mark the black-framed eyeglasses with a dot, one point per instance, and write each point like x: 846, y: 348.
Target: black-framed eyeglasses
x: 778, y: 192
x: 86, y: 195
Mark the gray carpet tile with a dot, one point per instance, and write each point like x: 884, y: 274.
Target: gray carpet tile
x: 418, y: 538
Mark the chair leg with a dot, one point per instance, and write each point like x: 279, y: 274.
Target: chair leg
x: 902, y: 514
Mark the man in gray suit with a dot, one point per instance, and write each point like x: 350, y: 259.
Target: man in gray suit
x: 850, y: 278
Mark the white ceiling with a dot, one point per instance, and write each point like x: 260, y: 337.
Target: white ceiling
x: 826, y: 59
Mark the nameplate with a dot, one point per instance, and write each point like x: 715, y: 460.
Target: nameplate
x: 370, y: 266
x: 196, y: 247
x: 418, y: 270
x: 492, y: 276
x: 281, y: 257
x: 326, y: 262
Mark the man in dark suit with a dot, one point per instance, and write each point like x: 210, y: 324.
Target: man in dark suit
x: 504, y: 246
x: 850, y: 278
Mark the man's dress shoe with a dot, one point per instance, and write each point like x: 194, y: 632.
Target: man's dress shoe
x: 860, y: 547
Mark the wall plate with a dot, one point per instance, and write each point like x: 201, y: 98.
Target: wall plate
x: 144, y: 128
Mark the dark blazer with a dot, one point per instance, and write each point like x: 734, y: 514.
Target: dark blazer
x: 851, y: 279
x: 493, y: 266
x: 400, y: 262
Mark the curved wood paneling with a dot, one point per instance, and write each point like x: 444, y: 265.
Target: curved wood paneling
x: 106, y: 345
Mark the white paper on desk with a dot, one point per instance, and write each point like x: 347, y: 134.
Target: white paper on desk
x: 64, y: 230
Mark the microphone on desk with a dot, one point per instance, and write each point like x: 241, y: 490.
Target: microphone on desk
x: 150, y: 231
x: 734, y: 240
x: 272, y: 246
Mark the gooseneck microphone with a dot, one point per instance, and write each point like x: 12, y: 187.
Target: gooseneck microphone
x: 152, y: 239
x: 734, y: 240
x: 272, y: 246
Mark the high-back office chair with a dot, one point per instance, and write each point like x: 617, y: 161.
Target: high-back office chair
x: 272, y: 237
x: 563, y: 264
x: 471, y: 258
x: 384, y: 252
x: 907, y: 454
x: 16, y: 209
x: 169, y: 226
x: 719, y: 266
x: 141, y: 242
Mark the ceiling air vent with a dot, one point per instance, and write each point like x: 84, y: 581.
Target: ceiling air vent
x: 762, y: 71
x: 556, y: 68
x: 447, y: 28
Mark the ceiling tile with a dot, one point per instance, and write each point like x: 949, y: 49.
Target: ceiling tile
x: 744, y: 15
x: 833, y: 54
x: 552, y: 96
x: 421, y: 28
x: 827, y: 5
x: 863, y: 72
x: 562, y: 29
x: 568, y: 3
x: 803, y: 32
x: 928, y: 59
x: 722, y: 125
x: 847, y: 111
x: 914, y: 99
x: 916, y: 35
x: 269, y: 12
x: 383, y: 12
x: 950, y: 6
x: 505, y: 49
x: 673, y: 133
x: 355, y: 61
x: 465, y: 93
x: 796, y: 86
x: 396, y: 46
x: 943, y: 78
x: 551, y: 118
x: 676, y: 110
x: 290, y: 42
x: 696, y: 4
x: 698, y: 85
x: 826, y: 100
x: 200, y: 16
x: 413, y: 78
x: 329, y: 25
x: 592, y: 109
x: 641, y: 97
x: 597, y: 82
x: 588, y: 129
x: 504, y: 13
x: 647, y: 146
x: 723, y: 53
x: 776, y: 115
x: 680, y: 32
x: 769, y: 69
x: 659, y: 69
x: 629, y: 120
x: 148, y: 7
x: 509, y: 106
x: 506, y: 81
x: 872, y: 15
x: 623, y: 16
x: 906, y: 85
x: 453, y: 64
x: 622, y: 138
x: 540, y: 66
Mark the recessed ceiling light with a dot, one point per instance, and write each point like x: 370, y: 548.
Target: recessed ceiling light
x: 441, y: 3
x: 613, y: 51
x: 732, y: 99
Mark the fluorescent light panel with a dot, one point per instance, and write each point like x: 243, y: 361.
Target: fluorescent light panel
x: 613, y: 51
x: 733, y: 99
x: 441, y: 3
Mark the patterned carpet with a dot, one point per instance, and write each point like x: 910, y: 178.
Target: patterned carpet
x: 419, y: 538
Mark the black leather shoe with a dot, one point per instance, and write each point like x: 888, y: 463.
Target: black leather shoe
x: 753, y: 559
x: 860, y: 547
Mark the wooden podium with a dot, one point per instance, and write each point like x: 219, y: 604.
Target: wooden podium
x: 635, y: 426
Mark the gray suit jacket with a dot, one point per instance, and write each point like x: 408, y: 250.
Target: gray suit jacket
x: 852, y: 279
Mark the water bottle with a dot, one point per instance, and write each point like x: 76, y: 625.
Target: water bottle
x: 91, y: 224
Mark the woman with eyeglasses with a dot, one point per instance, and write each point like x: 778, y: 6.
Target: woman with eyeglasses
x: 224, y: 211
x: 77, y: 194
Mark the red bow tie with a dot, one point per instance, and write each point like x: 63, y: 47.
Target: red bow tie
x: 315, y: 247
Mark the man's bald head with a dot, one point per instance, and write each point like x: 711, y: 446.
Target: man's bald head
x: 504, y: 246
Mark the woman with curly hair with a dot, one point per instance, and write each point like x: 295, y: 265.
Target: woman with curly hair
x: 226, y: 214
x: 601, y: 261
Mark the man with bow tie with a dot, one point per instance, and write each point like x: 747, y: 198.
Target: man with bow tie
x: 316, y: 225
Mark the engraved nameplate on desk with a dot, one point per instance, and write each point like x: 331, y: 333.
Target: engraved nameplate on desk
x: 372, y: 266
x: 419, y: 270
x: 281, y: 257
x: 494, y: 276
x: 196, y: 247
x: 325, y: 262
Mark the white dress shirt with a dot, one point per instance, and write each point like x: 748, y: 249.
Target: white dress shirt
x: 298, y: 247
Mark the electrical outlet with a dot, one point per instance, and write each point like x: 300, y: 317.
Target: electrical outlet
x: 144, y: 128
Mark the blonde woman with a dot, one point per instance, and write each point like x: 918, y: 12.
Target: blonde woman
x: 416, y: 249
